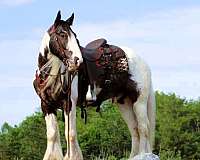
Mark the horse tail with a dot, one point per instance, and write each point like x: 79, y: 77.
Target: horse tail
x: 151, y: 109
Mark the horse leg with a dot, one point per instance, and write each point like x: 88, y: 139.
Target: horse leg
x: 128, y: 115
x: 73, y: 149
x: 151, y: 105
x: 140, y: 109
x: 54, y: 150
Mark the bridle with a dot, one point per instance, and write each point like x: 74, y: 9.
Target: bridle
x: 62, y: 49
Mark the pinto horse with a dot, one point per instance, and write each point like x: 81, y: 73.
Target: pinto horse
x: 62, y: 61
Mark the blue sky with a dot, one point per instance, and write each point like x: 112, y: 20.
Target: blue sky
x: 165, y: 33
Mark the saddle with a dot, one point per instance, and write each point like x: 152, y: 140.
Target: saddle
x: 96, y: 44
x: 106, y: 66
x: 100, y: 58
x: 94, y: 49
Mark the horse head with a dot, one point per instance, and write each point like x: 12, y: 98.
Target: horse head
x: 62, y: 42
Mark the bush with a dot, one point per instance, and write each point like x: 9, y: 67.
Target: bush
x: 107, y: 134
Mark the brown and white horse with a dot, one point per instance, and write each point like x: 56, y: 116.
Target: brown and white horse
x: 59, y: 59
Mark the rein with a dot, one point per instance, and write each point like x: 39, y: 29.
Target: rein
x: 68, y: 105
x: 67, y: 109
x: 71, y: 76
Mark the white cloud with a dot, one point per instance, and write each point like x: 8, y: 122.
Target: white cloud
x: 160, y: 24
x: 15, y: 2
x: 21, y: 108
x: 168, y: 40
x: 184, y: 83
x: 18, y: 63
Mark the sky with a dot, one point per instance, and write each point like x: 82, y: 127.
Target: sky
x: 164, y: 33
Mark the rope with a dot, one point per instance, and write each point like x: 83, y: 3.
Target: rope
x: 68, y: 107
x: 84, y: 113
x: 68, y: 110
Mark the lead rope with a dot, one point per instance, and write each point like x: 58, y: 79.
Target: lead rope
x: 68, y: 111
x: 69, y: 107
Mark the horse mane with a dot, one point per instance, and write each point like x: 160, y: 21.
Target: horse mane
x: 42, y: 60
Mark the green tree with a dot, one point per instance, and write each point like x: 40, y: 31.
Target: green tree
x: 105, y: 134
x: 177, y: 133
x: 177, y: 128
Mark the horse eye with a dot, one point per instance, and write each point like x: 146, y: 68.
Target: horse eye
x: 62, y: 35
x: 70, y: 53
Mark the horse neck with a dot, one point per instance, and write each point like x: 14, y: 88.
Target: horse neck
x: 73, y: 45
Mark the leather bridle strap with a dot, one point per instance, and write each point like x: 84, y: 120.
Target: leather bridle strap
x: 62, y: 49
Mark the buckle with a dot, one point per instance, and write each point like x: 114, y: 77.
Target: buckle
x: 107, y: 81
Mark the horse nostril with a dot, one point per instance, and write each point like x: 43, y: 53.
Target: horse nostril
x: 76, y: 60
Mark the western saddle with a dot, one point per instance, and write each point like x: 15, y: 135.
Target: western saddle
x: 100, y: 57
x: 94, y: 49
x: 96, y: 44
x: 106, y: 66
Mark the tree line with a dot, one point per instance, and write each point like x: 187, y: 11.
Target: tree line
x: 106, y: 135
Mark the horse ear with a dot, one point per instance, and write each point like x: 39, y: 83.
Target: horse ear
x: 58, y: 18
x: 70, y: 20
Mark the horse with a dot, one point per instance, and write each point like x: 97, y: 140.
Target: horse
x: 66, y: 79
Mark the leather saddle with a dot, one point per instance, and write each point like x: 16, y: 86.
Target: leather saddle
x: 105, y: 65
x: 94, y: 50
x: 100, y: 57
